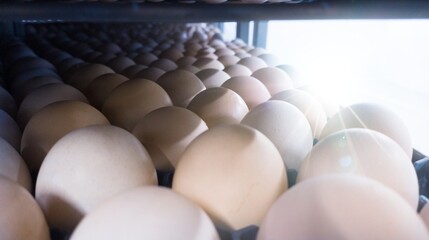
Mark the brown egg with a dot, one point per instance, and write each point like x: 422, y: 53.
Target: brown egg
x: 119, y: 64
x: 150, y: 73
x: 131, y: 71
x: 166, y: 132
x: 132, y: 100
x: 249, y: 88
x: 21, y: 217
x: 143, y: 213
x: 86, y: 167
x: 229, y: 60
x: 308, y: 105
x: 82, y: 76
x: 145, y: 58
x: 51, y: 123
x: 13, y: 167
x: 274, y: 79
x: 105, y: 57
x: 253, y: 63
x: 186, y: 61
x: 68, y: 64
x: 20, y: 91
x: 286, y: 127
x: 172, y: 54
x: 371, y: 116
x: 212, y: 77
x: 251, y: 169
x: 203, y: 63
x: 364, y: 152
x: 44, y: 96
x: 9, y: 130
x: 100, y: 88
x: 341, y: 206
x: 237, y: 70
x: 181, y: 86
x: 224, y: 52
x: 190, y: 68
x: 424, y: 214
x: 7, y: 103
x: 164, y: 64
x: 242, y: 54
x: 219, y: 105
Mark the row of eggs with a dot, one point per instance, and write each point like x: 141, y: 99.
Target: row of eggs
x: 256, y: 179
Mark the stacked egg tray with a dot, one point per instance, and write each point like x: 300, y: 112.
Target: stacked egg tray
x: 54, y: 54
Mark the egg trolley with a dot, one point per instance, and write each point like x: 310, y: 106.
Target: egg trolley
x: 139, y: 120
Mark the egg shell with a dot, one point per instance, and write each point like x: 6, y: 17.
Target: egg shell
x: 203, y: 63
x: 7, y: 103
x: 185, y: 61
x: 253, y: 175
x: 190, y: 68
x: 237, y: 70
x: 341, y: 206
x: 82, y: 76
x: 424, y: 214
x: 28, y: 63
x: 132, y: 100
x: 21, y: 217
x: 65, y: 201
x: 212, y: 77
x: 119, y: 64
x: 20, y: 91
x: 145, y: 58
x: 172, y: 54
x: 104, y: 58
x: 9, y: 130
x: 68, y: 64
x: 253, y: 63
x: 330, y: 106
x: 181, y: 86
x: 43, y: 130
x: 257, y: 51
x: 270, y: 59
x: 164, y: 64
x: 308, y: 105
x: 286, y: 127
x: 274, y: 79
x: 44, y: 96
x: 131, y: 71
x: 224, y: 52
x: 166, y: 132
x: 363, y: 152
x: 372, y: 116
x: 150, y: 73
x: 100, y: 88
x: 13, y: 167
x: 249, y: 88
x: 152, y: 210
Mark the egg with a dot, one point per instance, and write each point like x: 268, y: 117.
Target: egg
x: 251, y: 170
x: 145, y: 58
x: 249, y: 88
x: 21, y: 217
x: 104, y: 57
x: 274, y: 79
x: 44, y: 96
x: 86, y: 178
x: 224, y: 52
x: 270, y: 59
x: 341, y: 207
x: 166, y: 132
x: 237, y: 70
x: 82, y: 76
x: 229, y: 60
x: 212, y: 77
x: 44, y: 128
x: 181, y: 86
x: 372, y: 116
x: 363, y: 152
x: 219, y: 105
x: 253, y: 63
x: 204, y: 63
x: 132, y: 100
x: 13, y: 167
x: 286, y: 127
x: 172, y: 54
x: 68, y: 64
x: 100, y: 88
x: 190, y: 68
x: 150, y: 73
x: 164, y: 64
x: 7, y: 103
x: 28, y: 63
x: 424, y: 214
x: 131, y: 71
x: 9, y: 130
x: 257, y: 51
x: 308, y: 105
x: 144, y: 213
x: 185, y: 61
x: 119, y: 64
x: 330, y: 106
x: 20, y: 91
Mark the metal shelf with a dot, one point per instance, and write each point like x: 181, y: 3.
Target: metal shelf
x: 203, y: 12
